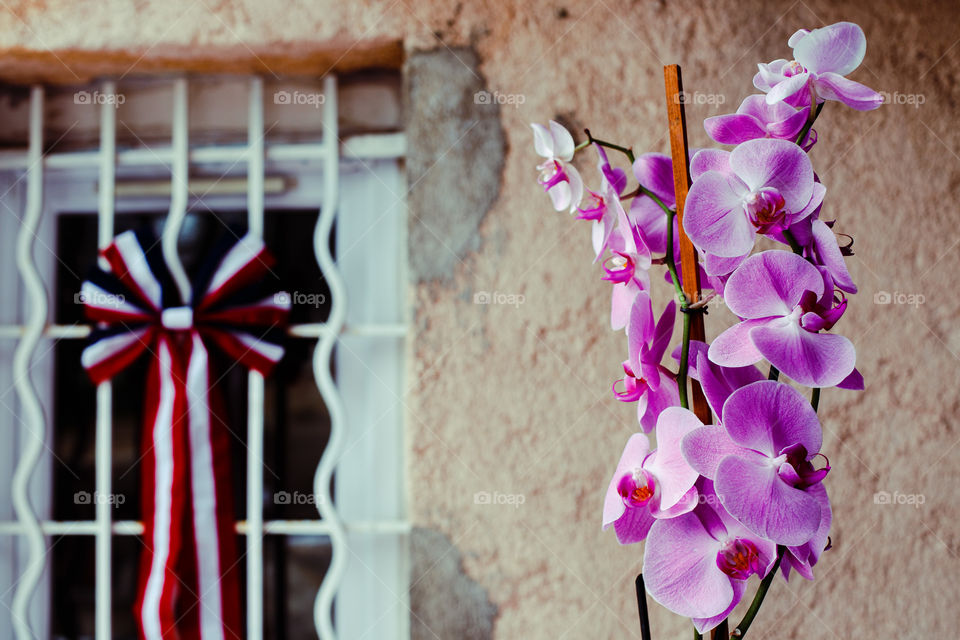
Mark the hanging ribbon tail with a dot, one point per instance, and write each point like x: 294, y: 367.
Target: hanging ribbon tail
x: 189, y: 584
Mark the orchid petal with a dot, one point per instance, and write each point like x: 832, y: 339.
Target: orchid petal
x: 775, y: 163
x: 755, y: 495
x: 838, y: 48
x: 831, y: 86
x: 734, y: 347
x: 680, y: 568
x: 636, y: 449
x: 563, y: 144
x: 769, y: 416
x: 704, y: 448
x: 812, y: 359
x: 784, y: 90
x: 771, y: 284
x: 542, y: 140
x: 734, y: 128
x: 714, y: 217
x: 674, y: 476
x: 709, y: 160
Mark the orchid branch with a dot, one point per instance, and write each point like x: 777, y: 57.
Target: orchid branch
x: 814, y: 114
x: 751, y: 613
x: 627, y: 151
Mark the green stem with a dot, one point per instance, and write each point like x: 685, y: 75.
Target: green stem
x: 792, y: 241
x: 627, y: 151
x: 815, y: 399
x: 684, y: 362
x: 751, y: 613
x: 720, y: 632
x: 814, y: 114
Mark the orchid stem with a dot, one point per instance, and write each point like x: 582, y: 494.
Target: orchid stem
x: 751, y: 613
x: 792, y: 241
x: 627, y: 151
x: 642, y: 607
x: 720, y: 632
x: 684, y: 362
x: 814, y: 114
x: 815, y: 399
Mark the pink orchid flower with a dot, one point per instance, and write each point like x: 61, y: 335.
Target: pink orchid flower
x: 697, y: 565
x: 821, y: 59
x: 785, y: 304
x: 627, y: 268
x: 650, y: 485
x: 757, y: 119
x: 647, y: 382
x: 802, y: 558
x: 767, y: 186
x: 761, y: 461
x: 559, y: 178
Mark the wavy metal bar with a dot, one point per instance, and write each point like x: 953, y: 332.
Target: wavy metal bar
x: 179, y: 179
x: 32, y: 411
x: 104, y: 436
x: 323, y: 604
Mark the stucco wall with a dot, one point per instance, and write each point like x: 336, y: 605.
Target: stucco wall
x: 514, y: 398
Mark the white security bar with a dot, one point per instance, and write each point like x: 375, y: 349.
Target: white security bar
x: 255, y: 390
x: 104, y: 439
x: 306, y: 330
x: 268, y: 527
x: 32, y: 413
x: 323, y: 605
x: 379, y: 146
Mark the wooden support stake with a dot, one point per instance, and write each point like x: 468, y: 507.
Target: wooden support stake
x: 688, y: 253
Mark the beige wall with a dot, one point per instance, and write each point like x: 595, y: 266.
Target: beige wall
x: 515, y: 399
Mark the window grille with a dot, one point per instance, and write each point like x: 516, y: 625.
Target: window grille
x: 351, y: 335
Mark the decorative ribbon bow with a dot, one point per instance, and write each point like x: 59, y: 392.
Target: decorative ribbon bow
x: 188, y: 584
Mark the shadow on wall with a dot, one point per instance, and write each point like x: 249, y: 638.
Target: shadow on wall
x: 444, y: 601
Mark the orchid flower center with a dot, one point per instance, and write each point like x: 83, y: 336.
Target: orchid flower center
x: 633, y: 387
x: 637, y: 488
x: 792, y: 68
x: 551, y: 174
x: 619, y: 268
x: 739, y: 559
x: 596, y: 206
x: 765, y: 208
x: 796, y: 470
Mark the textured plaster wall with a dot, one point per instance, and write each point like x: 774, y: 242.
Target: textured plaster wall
x: 514, y: 399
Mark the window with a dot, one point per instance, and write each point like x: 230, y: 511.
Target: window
x: 299, y: 441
